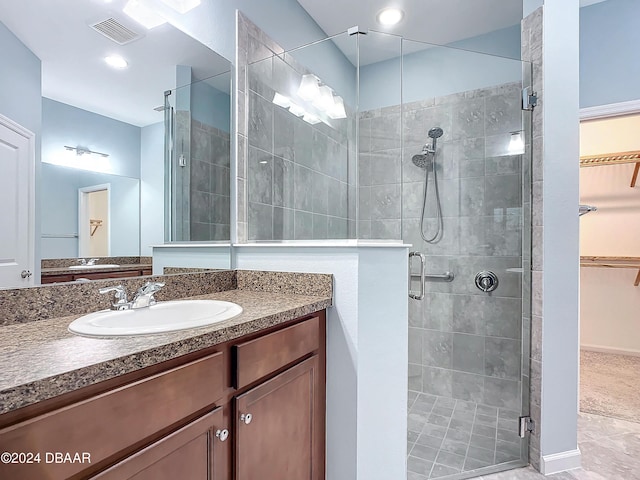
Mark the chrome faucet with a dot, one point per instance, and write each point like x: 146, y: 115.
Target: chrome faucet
x: 143, y: 297
x: 121, y: 302
x: 84, y: 261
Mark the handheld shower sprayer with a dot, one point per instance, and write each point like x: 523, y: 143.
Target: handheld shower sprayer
x: 427, y: 160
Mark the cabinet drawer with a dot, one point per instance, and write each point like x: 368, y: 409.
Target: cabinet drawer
x: 257, y: 358
x: 111, y: 422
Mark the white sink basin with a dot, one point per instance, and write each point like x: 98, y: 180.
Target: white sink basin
x: 158, y: 318
x: 91, y: 267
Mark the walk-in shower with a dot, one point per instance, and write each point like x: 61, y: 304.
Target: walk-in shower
x: 427, y: 160
x: 423, y: 156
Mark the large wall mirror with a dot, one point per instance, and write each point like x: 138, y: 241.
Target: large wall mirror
x: 134, y: 125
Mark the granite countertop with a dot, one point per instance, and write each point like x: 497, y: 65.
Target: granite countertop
x: 42, y: 359
x: 119, y: 268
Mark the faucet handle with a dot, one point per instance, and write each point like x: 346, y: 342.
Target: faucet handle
x: 92, y: 261
x: 150, y: 288
x: 120, y: 295
x: 82, y: 261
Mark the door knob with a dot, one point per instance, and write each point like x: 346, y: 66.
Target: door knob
x: 246, y: 418
x: 25, y: 274
x: 222, y: 435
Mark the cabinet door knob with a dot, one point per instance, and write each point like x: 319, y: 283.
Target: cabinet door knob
x: 222, y: 435
x: 246, y: 418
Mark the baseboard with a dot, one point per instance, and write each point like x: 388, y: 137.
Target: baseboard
x: 615, y: 351
x: 560, y: 462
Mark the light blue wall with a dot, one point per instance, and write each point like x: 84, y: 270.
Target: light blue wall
x: 20, y: 100
x: 210, y: 106
x: 151, y: 187
x: 63, y: 124
x: 60, y: 210
x: 440, y: 71
x: 609, y: 53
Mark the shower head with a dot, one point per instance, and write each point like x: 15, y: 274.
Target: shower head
x: 435, y: 132
x: 421, y: 160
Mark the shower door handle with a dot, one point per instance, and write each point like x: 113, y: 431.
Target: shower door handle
x: 412, y: 294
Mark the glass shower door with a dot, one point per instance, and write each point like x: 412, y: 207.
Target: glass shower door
x: 465, y: 183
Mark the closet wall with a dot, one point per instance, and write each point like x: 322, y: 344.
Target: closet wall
x: 609, y: 301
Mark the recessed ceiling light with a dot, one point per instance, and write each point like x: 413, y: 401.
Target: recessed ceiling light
x: 116, y: 61
x: 389, y: 16
x: 144, y: 14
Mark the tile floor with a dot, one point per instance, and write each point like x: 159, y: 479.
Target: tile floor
x: 610, y: 451
x: 448, y: 436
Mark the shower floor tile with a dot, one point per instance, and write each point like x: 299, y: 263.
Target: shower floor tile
x: 448, y: 438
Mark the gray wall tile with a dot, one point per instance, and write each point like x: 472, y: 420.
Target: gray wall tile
x: 260, y: 181
x: 436, y: 348
x: 260, y: 221
x: 468, y: 353
x: 499, y: 356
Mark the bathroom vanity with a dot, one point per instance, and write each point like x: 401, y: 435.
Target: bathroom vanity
x: 243, y: 399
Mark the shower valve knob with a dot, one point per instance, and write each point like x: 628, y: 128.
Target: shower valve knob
x: 486, y: 281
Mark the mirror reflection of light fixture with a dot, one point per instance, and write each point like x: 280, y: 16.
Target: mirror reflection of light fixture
x: 309, y: 88
x: 84, y: 151
x: 311, y: 118
x: 297, y: 110
x: 182, y: 6
x: 142, y: 13
x: 516, y: 144
x: 324, y: 101
x: 337, y: 109
x: 281, y: 100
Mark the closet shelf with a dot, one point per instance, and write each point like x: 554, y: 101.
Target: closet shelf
x: 613, y: 262
x: 614, y: 159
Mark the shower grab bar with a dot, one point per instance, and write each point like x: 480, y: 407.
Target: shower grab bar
x: 445, y: 277
x: 412, y: 294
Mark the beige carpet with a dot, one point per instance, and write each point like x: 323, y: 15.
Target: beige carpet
x: 610, y: 385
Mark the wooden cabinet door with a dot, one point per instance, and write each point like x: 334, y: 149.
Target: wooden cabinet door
x: 187, y: 453
x: 281, y: 440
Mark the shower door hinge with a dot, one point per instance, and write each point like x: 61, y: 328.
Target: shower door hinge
x: 526, y: 426
x: 182, y: 160
x: 529, y: 98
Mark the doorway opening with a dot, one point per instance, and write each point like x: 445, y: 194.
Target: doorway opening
x: 94, y: 221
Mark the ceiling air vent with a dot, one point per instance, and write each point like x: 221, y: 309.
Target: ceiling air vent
x: 115, y: 31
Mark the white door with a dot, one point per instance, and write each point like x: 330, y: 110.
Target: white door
x: 17, y: 157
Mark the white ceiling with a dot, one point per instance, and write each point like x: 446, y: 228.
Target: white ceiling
x: 73, y: 70
x: 432, y: 21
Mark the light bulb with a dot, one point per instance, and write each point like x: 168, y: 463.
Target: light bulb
x: 390, y: 16
x: 516, y: 144
x: 116, y: 61
x: 309, y: 89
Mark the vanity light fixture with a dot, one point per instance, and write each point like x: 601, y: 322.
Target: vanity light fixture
x: 281, y: 100
x: 389, y: 16
x: 516, y: 144
x: 297, y: 110
x: 182, y: 6
x: 142, y: 13
x: 116, y: 61
x: 309, y: 88
x: 311, y: 118
x: 324, y: 101
x: 84, y: 151
x: 337, y: 109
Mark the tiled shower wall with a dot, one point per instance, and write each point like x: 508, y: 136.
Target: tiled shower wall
x: 209, y: 178
x: 463, y: 343
x: 294, y: 176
